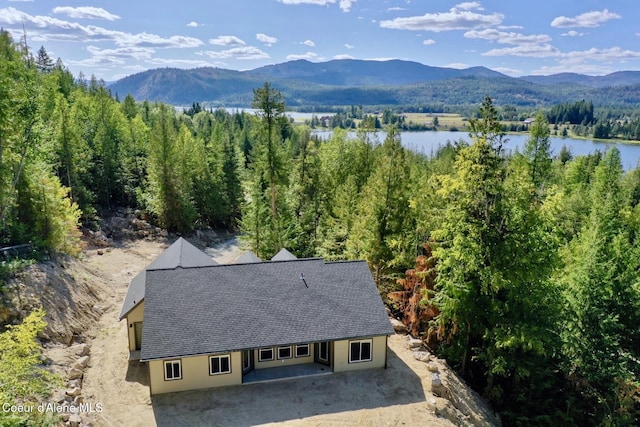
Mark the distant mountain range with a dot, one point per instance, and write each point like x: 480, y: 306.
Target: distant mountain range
x: 378, y: 83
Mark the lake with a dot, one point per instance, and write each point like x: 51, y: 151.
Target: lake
x: 428, y: 142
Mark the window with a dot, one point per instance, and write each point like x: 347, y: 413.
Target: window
x: 220, y: 364
x: 284, y: 352
x: 302, y: 350
x: 247, y: 357
x: 359, y: 351
x: 172, y: 370
x: 323, y: 352
x: 265, y: 354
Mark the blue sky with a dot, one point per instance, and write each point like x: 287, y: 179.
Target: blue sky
x: 113, y: 39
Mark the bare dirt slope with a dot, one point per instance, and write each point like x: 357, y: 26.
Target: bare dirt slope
x: 399, y: 395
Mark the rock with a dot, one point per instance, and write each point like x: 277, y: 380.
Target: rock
x: 81, y: 363
x: 74, y: 383
x: 438, y: 388
x: 75, y: 374
x: 399, y: 327
x: 432, y: 367
x: 414, y: 343
x: 78, y: 400
x: 81, y: 349
x: 58, y: 396
x: 73, y: 392
x: 75, y: 420
x: 100, y: 252
x: 422, y: 356
x: 65, y: 417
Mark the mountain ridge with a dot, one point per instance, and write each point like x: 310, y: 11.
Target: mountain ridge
x: 369, y: 82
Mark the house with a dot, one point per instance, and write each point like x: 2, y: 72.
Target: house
x: 198, y: 324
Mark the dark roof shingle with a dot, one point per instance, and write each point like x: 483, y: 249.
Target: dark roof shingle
x: 241, y: 306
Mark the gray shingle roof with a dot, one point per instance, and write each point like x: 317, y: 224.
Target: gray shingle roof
x: 180, y: 254
x: 247, y: 258
x: 284, y: 255
x: 241, y: 306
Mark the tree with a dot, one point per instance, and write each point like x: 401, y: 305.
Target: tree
x: 538, y: 153
x: 494, y: 262
x: 44, y: 61
x: 382, y: 213
x: 601, y: 338
x: 23, y: 377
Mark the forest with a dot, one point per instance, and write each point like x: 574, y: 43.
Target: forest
x: 523, y: 271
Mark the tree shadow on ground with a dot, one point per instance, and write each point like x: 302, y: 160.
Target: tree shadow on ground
x: 295, y: 399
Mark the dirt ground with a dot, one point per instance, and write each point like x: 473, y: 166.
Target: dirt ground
x: 399, y: 395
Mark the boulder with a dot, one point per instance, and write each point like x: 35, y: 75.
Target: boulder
x: 75, y: 374
x: 438, y: 388
x: 399, y: 327
x: 415, y: 343
x: 432, y: 367
x: 81, y: 363
x: 423, y: 356
x: 74, y: 383
x: 81, y: 349
x: 75, y: 420
x: 73, y: 392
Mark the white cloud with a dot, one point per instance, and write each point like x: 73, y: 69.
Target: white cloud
x: 349, y: 46
x: 86, y: 12
x: 572, y: 33
x: 227, y: 41
x: 114, y: 57
x: 469, y: 5
x: 506, y: 38
x: 309, y: 43
x: 458, y: 65
x: 586, y: 20
x: 526, y: 50
x: 267, y: 40
x: 345, y: 5
x: 508, y: 71
x: 245, y: 52
x: 308, y: 56
x: 193, y: 24
x: 49, y: 28
x: 343, y: 56
x: 427, y: 42
x: 459, y: 17
x: 396, y: 9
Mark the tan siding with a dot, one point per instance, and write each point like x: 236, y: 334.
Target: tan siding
x: 341, y: 355
x: 135, y: 315
x: 195, y: 375
x: 283, y: 362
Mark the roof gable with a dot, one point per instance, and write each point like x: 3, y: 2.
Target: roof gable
x: 248, y: 258
x: 180, y: 254
x: 284, y: 255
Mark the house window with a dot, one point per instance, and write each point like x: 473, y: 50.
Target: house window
x: 220, y: 364
x: 323, y: 352
x: 172, y: 370
x: 302, y: 350
x: 284, y: 352
x: 265, y: 354
x: 246, y: 360
x: 360, y: 351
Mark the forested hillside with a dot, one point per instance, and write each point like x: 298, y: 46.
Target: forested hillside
x: 528, y: 265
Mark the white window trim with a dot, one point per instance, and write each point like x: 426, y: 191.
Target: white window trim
x: 303, y: 346
x: 284, y: 348
x: 246, y: 360
x: 260, y: 359
x: 220, y: 356
x: 172, y: 362
x: 322, y: 359
x: 370, y: 341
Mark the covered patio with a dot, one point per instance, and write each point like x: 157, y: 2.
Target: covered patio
x: 285, y: 372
